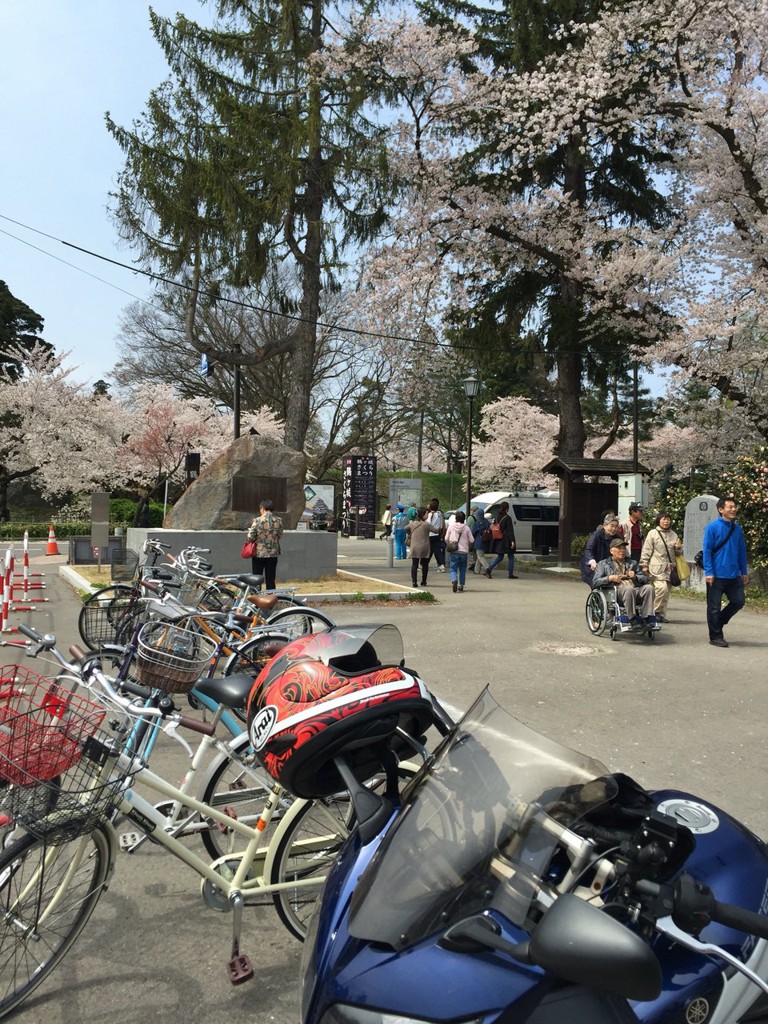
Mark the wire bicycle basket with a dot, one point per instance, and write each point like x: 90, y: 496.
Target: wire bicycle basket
x: 112, y: 619
x: 50, y: 758
x: 171, y: 658
x: 124, y: 564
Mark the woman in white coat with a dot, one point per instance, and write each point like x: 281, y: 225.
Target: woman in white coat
x: 657, y: 560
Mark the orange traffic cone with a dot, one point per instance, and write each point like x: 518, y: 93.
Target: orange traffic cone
x: 53, y: 547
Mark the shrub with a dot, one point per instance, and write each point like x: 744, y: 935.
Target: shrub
x: 578, y: 543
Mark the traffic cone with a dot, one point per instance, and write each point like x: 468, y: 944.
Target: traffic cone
x: 53, y: 547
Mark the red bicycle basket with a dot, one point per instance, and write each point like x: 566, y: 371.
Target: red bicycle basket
x: 42, y: 727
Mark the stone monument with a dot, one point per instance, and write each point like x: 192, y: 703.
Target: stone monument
x: 227, y: 493
x: 698, y: 512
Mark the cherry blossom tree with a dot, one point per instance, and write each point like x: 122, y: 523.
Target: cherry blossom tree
x: 516, y: 223
x: 54, y: 430
x: 692, y: 76
x: 522, y: 439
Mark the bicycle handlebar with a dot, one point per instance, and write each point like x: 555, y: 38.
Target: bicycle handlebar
x: 167, y: 708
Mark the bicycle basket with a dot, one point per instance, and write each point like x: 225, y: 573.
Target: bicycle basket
x: 111, y: 619
x: 123, y: 564
x: 171, y: 658
x: 46, y: 784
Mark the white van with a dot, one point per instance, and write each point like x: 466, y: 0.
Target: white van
x: 535, y: 515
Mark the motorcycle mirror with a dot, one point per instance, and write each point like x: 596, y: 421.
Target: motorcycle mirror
x: 581, y: 944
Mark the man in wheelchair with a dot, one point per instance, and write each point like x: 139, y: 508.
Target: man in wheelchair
x: 634, y: 593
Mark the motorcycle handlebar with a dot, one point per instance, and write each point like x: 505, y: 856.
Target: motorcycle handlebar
x: 740, y: 919
x: 692, y: 906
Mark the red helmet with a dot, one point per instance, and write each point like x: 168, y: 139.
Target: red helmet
x: 344, y: 691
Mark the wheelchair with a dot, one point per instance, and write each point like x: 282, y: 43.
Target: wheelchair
x: 603, y: 613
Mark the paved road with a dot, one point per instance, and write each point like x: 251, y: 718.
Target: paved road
x: 672, y: 712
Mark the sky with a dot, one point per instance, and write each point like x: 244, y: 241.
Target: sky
x: 64, y: 64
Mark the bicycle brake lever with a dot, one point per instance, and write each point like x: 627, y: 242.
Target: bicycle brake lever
x: 171, y: 728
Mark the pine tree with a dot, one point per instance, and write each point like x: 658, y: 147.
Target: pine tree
x: 252, y: 155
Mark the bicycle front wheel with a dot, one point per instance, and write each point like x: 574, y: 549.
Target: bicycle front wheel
x: 47, y: 895
x: 296, y: 622
x: 307, y: 845
x: 100, y: 617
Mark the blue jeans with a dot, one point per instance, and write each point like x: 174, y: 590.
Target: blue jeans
x: 399, y: 543
x: 733, y: 589
x: 458, y: 567
x: 498, y: 559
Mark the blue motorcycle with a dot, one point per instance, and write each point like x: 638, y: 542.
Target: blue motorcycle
x: 520, y: 882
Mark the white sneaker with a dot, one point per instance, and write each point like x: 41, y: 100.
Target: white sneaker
x: 441, y: 568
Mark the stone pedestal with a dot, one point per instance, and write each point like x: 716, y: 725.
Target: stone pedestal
x: 306, y: 554
x: 227, y: 493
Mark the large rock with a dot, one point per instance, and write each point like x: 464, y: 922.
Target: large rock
x: 226, y: 495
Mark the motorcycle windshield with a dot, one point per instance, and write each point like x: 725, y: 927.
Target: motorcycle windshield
x: 479, y: 830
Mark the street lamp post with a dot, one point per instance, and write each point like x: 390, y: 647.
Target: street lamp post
x: 471, y: 390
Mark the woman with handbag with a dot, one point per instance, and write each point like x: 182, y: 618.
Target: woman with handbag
x: 264, y: 534
x: 419, y: 534
x: 503, y: 541
x: 657, y: 561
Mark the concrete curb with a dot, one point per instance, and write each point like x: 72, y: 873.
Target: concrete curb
x: 401, y: 593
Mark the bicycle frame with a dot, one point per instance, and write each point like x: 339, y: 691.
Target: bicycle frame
x: 143, y: 814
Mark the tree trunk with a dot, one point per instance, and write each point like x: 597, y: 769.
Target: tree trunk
x: 572, y: 436
x: 310, y: 262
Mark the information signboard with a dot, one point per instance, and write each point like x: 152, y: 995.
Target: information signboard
x: 358, y: 495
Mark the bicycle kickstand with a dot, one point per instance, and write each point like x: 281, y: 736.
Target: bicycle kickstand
x: 240, y: 966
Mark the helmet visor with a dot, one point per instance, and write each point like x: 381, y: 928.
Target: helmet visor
x: 370, y: 645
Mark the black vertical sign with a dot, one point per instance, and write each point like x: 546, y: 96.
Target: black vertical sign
x: 359, y: 495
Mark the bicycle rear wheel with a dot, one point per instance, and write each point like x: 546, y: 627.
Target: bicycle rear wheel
x: 47, y: 895
x: 304, y: 854
x: 253, y: 654
x: 296, y: 622
x: 243, y: 786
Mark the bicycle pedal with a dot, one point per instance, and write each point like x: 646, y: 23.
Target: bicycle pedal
x: 129, y: 839
x: 240, y: 969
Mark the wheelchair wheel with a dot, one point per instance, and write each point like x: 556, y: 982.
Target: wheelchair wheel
x: 596, y: 612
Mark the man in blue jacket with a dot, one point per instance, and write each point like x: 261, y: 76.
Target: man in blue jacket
x: 725, y: 569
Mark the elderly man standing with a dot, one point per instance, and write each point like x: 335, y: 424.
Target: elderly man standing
x: 633, y: 530
x: 632, y: 586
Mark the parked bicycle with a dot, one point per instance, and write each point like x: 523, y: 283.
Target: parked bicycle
x: 67, y: 765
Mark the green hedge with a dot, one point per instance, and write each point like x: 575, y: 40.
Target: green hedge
x: 36, y: 531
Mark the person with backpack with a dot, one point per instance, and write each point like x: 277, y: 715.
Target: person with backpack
x: 503, y: 542
x: 481, y: 532
x: 724, y: 552
x: 458, y: 543
x: 436, y: 541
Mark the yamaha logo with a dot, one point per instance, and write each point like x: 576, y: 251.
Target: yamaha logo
x: 697, y: 1011
x: 262, y: 725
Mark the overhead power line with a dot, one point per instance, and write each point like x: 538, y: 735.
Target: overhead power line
x: 185, y: 287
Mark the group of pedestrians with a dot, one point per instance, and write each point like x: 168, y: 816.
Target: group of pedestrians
x: 470, y: 543
x: 644, y: 566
